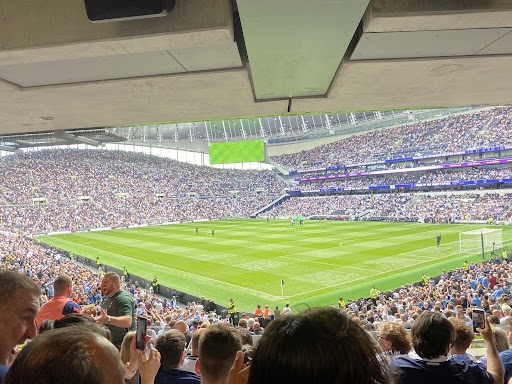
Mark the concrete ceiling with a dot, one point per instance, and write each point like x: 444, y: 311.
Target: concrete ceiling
x: 211, y: 59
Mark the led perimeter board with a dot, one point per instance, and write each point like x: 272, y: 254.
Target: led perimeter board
x: 237, y: 152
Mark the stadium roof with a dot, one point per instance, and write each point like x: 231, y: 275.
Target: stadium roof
x: 217, y: 59
x: 92, y: 136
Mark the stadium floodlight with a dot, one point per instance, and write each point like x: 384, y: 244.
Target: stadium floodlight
x: 282, y: 127
x: 262, y: 130
x: 304, y: 124
x: 208, y: 138
x: 225, y: 134
x: 485, y: 239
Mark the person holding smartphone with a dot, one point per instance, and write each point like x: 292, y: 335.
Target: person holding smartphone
x: 140, y: 335
x: 432, y: 334
x: 478, y: 318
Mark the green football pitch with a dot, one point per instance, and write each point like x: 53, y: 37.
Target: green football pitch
x: 246, y: 259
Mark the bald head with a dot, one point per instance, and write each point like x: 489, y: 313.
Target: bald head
x: 62, y: 285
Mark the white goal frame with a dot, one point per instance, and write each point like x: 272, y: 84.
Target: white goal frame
x: 471, y: 241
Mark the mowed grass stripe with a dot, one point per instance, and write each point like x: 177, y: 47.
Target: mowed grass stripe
x: 252, y: 255
x: 149, y: 252
x: 169, y: 270
x: 382, y: 262
x: 206, y: 270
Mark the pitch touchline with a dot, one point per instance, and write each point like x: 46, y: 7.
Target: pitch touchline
x: 188, y: 274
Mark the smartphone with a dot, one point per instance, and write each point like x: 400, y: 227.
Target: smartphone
x: 478, y: 319
x: 140, y: 342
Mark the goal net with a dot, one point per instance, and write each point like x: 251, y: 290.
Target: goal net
x: 471, y: 241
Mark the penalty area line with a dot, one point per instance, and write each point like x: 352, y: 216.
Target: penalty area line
x: 374, y: 275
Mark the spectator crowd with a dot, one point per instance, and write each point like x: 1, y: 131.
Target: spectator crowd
x: 83, y: 189
x: 427, y: 207
x: 483, y: 129
x: 430, y: 177
x: 414, y: 334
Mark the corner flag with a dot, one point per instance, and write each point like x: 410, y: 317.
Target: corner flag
x: 282, y: 290
x: 282, y: 282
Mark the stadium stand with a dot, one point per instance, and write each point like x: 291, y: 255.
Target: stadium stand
x: 433, y: 207
x: 83, y: 189
x: 70, y: 189
x: 436, y: 137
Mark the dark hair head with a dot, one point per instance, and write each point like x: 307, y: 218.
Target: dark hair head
x: 432, y: 335
x: 317, y: 346
x: 76, y: 319
x: 218, y: 345
x: 171, y: 345
x: 89, y: 359
x: 46, y: 325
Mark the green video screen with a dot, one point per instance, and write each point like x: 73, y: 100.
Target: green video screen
x: 237, y: 152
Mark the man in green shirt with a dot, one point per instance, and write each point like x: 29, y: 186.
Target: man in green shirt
x: 118, y: 308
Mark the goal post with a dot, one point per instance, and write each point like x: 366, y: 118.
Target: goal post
x: 473, y: 241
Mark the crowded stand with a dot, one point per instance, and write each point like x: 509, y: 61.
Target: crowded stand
x: 83, y: 189
x: 113, y: 213
x: 429, y: 177
x: 63, y: 175
x: 384, y: 338
x: 486, y: 128
x: 483, y: 160
x: 434, y: 207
